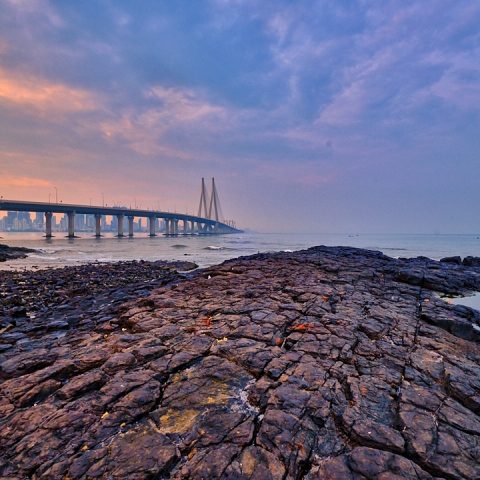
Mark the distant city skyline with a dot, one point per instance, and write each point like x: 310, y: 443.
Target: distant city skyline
x: 313, y: 116
x: 35, y: 222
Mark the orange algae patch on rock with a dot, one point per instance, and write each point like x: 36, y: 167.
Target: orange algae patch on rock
x: 177, y: 421
x: 302, y: 327
x: 263, y: 464
x: 218, y: 393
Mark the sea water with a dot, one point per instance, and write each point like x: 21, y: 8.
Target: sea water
x: 210, y: 250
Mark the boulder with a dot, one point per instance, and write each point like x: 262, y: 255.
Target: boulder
x: 456, y: 260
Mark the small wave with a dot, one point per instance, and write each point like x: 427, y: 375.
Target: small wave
x: 240, y: 242
x: 33, y: 255
x: 179, y: 245
x: 43, y: 257
x: 214, y: 247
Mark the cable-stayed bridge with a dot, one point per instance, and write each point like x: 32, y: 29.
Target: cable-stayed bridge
x: 209, y: 221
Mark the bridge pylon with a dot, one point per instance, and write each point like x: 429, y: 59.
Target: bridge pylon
x: 202, y: 207
x: 214, y: 211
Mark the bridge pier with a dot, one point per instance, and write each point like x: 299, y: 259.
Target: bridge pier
x: 71, y: 224
x: 98, y: 220
x: 168, y: 226
x: 130, y: 226
x: 48, y: 224
x: 185, y: 227
x: 192, y: 227
x: 120, y: 225
x: 175, y: 227
x: 152, y: 221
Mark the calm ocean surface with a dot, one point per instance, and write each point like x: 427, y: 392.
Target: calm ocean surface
x: 210, y: 250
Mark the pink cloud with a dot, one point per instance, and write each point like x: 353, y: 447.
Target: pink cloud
x: 146, y: 131
x: 24, y: 181
x: 22, y: 90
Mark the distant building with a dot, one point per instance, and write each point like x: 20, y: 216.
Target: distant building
x: 64, y: 222
x: 80, y: 223
x: 39, y: 220
x: 90, y: 222
x: 18, y: 221
x: 10, y: 220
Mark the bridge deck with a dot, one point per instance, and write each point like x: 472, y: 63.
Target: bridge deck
x: 24, y: 206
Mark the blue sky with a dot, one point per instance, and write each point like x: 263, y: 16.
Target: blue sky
x: 314, y: 116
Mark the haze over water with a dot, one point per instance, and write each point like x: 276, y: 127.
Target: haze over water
x: 210, y: 250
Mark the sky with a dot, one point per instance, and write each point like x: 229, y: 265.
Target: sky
x: 313, y: 116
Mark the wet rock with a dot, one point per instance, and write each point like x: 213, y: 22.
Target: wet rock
x: 471, y: 261
x: 82, y: 384
x: 330, y: 363
x: 154, y: 456
x: 26, y: 362
x: 455, y: 260
x: 368, y: 463
x: 256, y: 463
x: 71, y: 291
x: 57, y: 325
x: 119, y: 361
x: 18, y: 312
x: 12, y: 253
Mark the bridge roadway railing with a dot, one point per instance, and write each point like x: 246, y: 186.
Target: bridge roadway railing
x: 189, y: 224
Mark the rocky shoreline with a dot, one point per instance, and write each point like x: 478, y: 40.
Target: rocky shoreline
x: 35, y: 302
x: 329, y: 363
x: 12, y: 253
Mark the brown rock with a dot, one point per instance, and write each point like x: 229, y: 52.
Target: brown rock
x: 331, y: 363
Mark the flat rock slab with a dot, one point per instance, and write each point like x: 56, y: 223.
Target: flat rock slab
x: 330, y: 363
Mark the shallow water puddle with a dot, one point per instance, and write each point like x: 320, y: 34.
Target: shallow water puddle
x: 472, y: 301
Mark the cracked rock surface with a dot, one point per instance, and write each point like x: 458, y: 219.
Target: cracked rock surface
x: 329, y: 363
